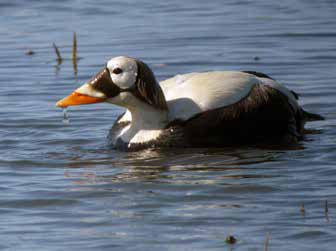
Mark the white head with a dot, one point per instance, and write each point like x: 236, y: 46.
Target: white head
x: 123, y: 71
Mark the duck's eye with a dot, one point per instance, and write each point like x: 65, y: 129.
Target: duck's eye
x: 117, y: 70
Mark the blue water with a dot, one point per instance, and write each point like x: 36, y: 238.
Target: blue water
x: 63, y: 188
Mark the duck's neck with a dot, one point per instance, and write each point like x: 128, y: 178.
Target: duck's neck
x: 146, y: 125
x: 148, y: 119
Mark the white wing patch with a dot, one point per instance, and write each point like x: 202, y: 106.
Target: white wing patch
x: 193, y: 93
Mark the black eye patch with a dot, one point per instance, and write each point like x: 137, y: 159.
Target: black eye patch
x: 102, y: 82
x: 117, y: 70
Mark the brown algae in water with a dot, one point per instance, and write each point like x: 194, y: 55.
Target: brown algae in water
x: 230, y: 239
x: 29, y: 52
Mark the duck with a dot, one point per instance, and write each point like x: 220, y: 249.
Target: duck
x: 198, y: 109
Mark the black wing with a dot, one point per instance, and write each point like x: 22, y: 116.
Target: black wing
x: 265, y: 115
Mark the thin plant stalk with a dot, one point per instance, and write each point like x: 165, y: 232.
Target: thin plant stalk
x: 58, y: 54
x: 74, y: 53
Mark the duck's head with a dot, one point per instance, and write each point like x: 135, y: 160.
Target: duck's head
x: 124, y: 81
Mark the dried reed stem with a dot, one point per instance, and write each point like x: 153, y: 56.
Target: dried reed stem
x: 266, y: 241
x: 74, y: 53
x: 302, y: 209
x: 58, y: 54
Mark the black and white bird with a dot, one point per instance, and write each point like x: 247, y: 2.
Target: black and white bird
x: 199, y: 109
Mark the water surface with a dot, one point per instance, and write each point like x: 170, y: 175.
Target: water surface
x: 62, y: 186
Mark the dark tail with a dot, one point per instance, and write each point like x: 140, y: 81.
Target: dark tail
x: 311, y: 116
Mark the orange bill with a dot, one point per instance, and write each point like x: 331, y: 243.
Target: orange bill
x: 76, y: 98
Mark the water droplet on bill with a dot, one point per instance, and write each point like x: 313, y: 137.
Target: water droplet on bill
x: 66, y: 119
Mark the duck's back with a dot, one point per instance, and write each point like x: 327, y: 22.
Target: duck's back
x: 226, y: 108
x: 194, y: 93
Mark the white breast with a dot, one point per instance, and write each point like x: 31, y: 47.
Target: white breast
x: 192, y: 93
